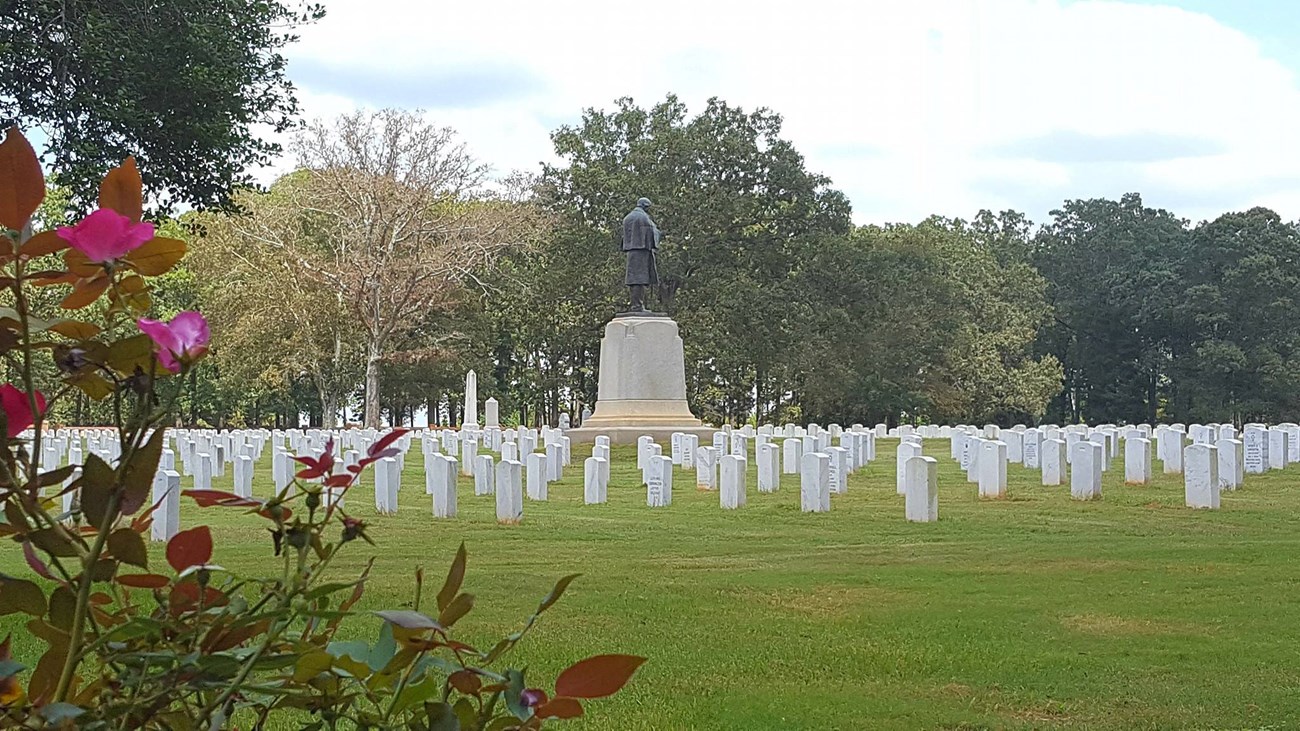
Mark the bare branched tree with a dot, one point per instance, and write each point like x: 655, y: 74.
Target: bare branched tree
x: 408, y: 222
x: 276, y: 324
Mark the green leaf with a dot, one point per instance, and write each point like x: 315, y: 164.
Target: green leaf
x: 310, y: 665
x: 125, y: 356
x: 455, y: 576
x: 96, y: 484
x: 417, y: 693
x: 407, y: 619
x: 325, y: 589
x: 465, y: 712
x: 458, y: 608
x: 220, y: 665
x: 514, y: 695
x: 274, y: 662
x: 327, y: 614
x: 384, y: 648
x: 92, y: 384
x: 347, y: 667
x: 556, y: 593
x: 441, y: 717
x: 500, y: 648
x: 58, y: 713
x: 10, y: 668
x: 63, y: 606
x: 20, y: 595
x: 358, y: 650
x: 136, y: 627
x: 53, y: 541
x: 56, y: 476
x: 128, y: 547
x: 137, y: 476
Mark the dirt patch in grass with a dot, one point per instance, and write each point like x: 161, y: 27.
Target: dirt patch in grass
x: 1048, y: 713
x: 1110, y: 625
x: 992, y: 700
x: 824, y: 601
x: 715, y: 563
x: 957, y: 690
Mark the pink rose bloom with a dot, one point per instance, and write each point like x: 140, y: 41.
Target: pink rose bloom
x: 106, y: 235
x: 180, y: 341
x: 18, y: 411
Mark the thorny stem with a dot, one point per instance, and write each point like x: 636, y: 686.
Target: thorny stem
x: 401, y: 685
x: 20, y: 302
x: 272, y: 636
x: 83, y: 601
x: 485, y: 712
x: 33, y: 468
x: 77, y: 634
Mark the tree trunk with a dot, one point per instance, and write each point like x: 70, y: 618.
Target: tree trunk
x: 1153, y: 397
x: 372, y: 386
x: 329, y: 408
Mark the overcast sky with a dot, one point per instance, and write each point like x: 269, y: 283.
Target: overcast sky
x: 912, y: 107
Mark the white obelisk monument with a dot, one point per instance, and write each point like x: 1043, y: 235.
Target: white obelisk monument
x: 471, y: 400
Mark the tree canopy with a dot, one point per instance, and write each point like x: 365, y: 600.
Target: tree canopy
x: 87, y: 73
x: 391, y: 262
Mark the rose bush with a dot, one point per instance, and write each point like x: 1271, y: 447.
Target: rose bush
x: 131, y: 645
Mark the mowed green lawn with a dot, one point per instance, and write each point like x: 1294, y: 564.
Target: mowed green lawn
x: 1036, y: 611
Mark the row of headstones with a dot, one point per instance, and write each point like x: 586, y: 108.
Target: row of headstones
x: 165, y: 489
x: 1213, y: 460
x: 70, y: 446
x: 685, y: 448
x: 203, y: 456
x: 440, y: 469
x: 881, y: 431
x: 62, y: 444
x: 507, y: 479
x: 817, y: 483
x: 823, y: 469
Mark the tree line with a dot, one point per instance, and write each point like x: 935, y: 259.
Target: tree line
x: 389, y: 263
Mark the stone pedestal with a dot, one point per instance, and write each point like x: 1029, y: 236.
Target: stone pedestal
x: 642, y: 386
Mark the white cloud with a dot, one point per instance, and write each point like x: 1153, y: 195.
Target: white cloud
x: 912, y: 108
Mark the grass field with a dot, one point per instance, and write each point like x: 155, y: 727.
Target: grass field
x: 1032, y: 612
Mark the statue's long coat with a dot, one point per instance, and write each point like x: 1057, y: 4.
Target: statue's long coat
x: 640, y: 239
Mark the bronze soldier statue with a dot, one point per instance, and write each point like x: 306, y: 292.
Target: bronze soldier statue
x: 640, y: 239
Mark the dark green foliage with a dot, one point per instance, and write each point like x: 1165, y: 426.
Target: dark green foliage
x: 786, y: 310
x: 1111, y: 268
x: 87, y: 73
x: 1156, y: 319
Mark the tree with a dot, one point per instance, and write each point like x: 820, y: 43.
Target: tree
x: 1112, y: 274
x: 739, y: 211
x: 88, y: 73
x: 407, y: 224
x: 922, y: 321
x: 276, y: 324
x: 1235, y: 344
